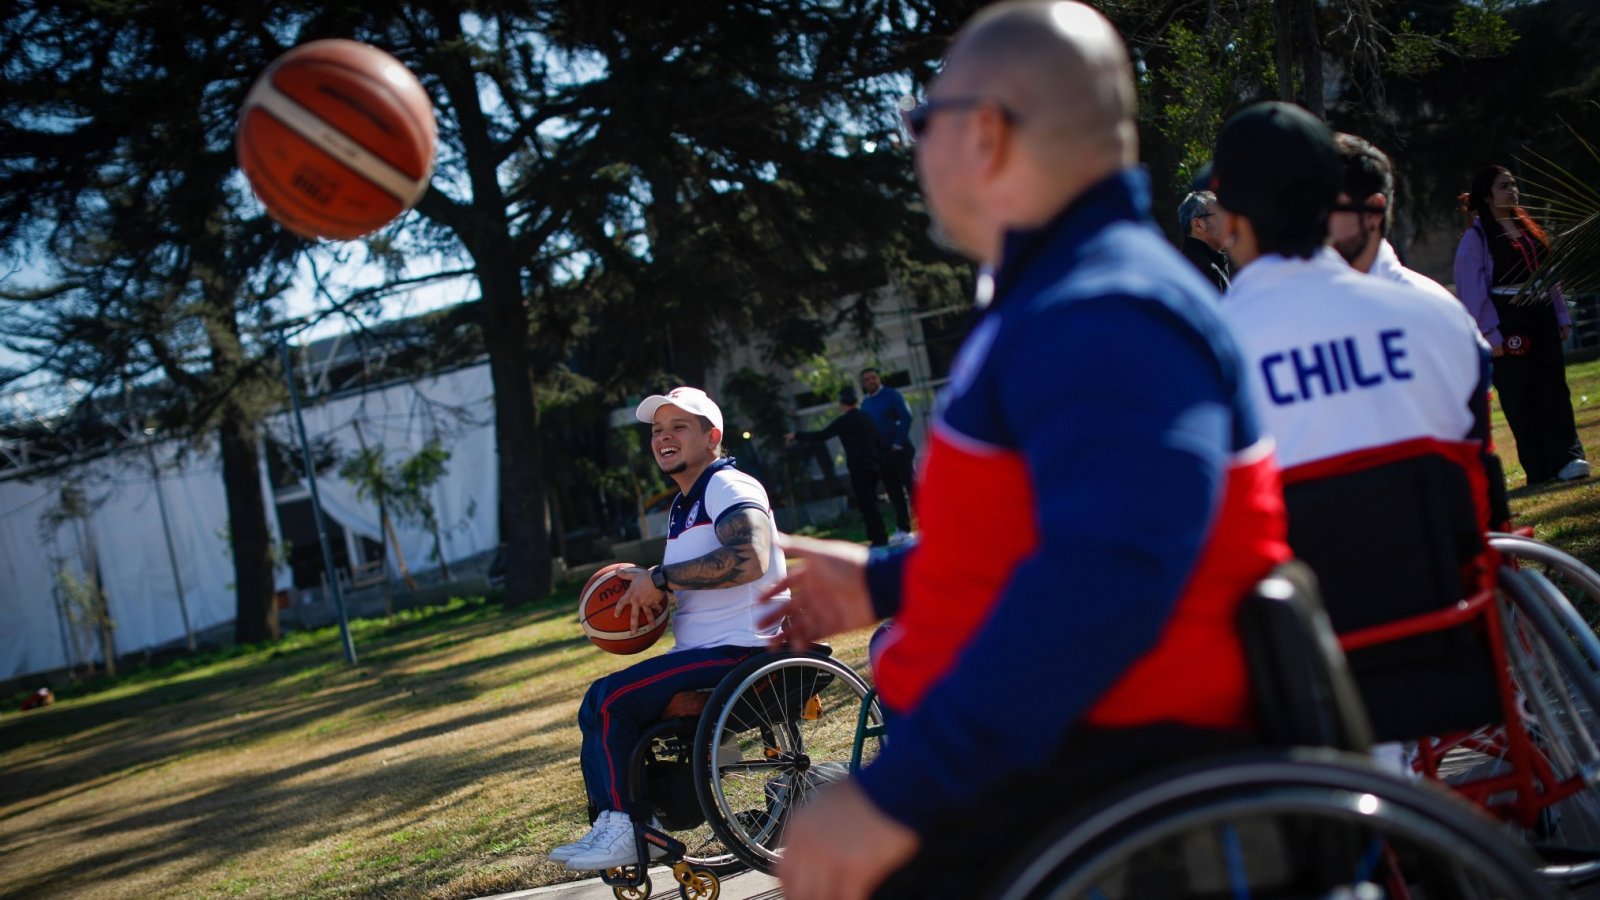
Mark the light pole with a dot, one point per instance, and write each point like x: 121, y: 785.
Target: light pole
x: 316, y: 504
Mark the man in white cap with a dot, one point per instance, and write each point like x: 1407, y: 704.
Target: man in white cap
x: 714, y: 574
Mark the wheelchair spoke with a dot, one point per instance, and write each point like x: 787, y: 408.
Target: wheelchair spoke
x: 793, y: 718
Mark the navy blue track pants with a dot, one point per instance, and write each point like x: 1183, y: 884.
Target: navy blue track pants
x: 618, y: 708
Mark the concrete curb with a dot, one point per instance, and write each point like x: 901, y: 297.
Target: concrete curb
x: 746, y: 885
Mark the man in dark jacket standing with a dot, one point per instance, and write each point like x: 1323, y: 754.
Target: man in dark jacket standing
x: 862, y: 456
x: 1204, y: 236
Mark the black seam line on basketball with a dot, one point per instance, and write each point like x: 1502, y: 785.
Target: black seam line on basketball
x: 364, y: 74
x: 317, y: 136
x: 358, y: 107
x: 399, y: 104
x: 328, y: 216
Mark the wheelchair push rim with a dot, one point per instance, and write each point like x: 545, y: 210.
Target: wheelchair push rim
x: 792, y: 717
x: 1228, y: 822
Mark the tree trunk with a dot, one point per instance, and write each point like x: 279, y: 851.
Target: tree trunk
x: 257, y: 615
x: 393, y: 540
x: 1283, y: 47
x: 506, y: 336
x: 516, y: 433
x: 1310, y: 45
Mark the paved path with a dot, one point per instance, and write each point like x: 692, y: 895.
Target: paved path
x: 747, y: 885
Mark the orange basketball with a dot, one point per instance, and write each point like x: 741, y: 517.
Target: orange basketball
x: 337, y: 139
x: 609, y: 631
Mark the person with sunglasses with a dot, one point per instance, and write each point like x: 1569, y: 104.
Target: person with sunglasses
x: 1094, y: 501
x: 1205, y: 238
x: 1363, y: 213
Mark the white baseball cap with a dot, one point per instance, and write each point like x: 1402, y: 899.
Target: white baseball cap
x: 688, y: 399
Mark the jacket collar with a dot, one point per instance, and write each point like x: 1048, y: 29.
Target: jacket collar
x: 1124, y: 195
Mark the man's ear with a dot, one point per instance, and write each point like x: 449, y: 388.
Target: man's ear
x: 992, y: 137
x: 1379, y: 202
x: 715, y: 435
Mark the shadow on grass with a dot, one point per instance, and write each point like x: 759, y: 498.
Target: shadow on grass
x: 206, y: 830
x: 167, y: 723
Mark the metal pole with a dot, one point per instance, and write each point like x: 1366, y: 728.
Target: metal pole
x: 172, y: 553
x: 316, y: 506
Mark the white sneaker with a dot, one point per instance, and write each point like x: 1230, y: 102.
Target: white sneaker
x: 612, y: 845
x: 899, y: 537
x: 1573, y: 470
x: 567, y: 851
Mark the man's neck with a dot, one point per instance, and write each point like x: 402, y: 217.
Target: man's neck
x: 1043, y: 200
x: 685, y: 480
x: 1364, y: 260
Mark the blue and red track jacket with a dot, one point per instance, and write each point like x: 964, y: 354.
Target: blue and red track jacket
x: 1096, y: 500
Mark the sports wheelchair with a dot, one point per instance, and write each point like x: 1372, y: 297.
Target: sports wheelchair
x: 1288, y: 823
x: 1464, y: 645
x: 724, y: 771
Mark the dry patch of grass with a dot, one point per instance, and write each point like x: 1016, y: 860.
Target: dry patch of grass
x: 442, y: 766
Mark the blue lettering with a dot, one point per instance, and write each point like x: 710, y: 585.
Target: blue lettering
x: 1355, y: 366
x: 1304, y: 372
x: 1267, y: 362
x: 1338, y: 366
x: 1393, y: 353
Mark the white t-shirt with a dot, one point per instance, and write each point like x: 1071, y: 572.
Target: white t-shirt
x: 720, y: 616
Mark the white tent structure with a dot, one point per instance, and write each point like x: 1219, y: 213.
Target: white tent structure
x: 119, y: 530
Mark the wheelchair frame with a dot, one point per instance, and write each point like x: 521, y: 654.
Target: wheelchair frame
x: 1361, y: 833
x: 1331, y: 824
x: 1524, y: 609
x: 699, y: 878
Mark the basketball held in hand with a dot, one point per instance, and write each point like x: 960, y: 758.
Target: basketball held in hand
x: 337, y: 139
x: 597, y: 605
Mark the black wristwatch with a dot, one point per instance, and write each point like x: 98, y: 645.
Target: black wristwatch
x: 658, y: 577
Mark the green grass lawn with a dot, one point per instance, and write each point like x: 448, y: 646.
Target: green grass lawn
x: 441, y: 766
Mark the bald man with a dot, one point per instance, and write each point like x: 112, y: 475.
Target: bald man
x: 1095, y: 500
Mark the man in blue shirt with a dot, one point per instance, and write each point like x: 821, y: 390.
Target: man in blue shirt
x: 889, y: 411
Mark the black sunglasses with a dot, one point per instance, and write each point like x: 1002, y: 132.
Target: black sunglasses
x: 914, y: 116
x: 1356, y: 208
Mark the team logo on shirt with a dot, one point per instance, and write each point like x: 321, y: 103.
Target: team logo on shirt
x: 1516, y: 345
x: 694, y: 515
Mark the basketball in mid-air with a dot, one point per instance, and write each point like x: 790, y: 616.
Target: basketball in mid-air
x: 606, y: 629
x: 337, y: 138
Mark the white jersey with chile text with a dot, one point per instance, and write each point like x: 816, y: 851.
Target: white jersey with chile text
x: 1342, y: 362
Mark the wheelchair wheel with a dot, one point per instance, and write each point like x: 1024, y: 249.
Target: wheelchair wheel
x: 1555, y: 664
x: 1577, y: 582
x: 779, y: 727
x: 1299, y: 824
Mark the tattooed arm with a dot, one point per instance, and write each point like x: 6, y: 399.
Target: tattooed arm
x: 746, y: 536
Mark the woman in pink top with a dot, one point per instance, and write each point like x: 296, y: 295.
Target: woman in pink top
x: 1501, y: 250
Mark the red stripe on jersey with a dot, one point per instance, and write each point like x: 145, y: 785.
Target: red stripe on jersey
x: 975, y: 509
x: 1196, y: 673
